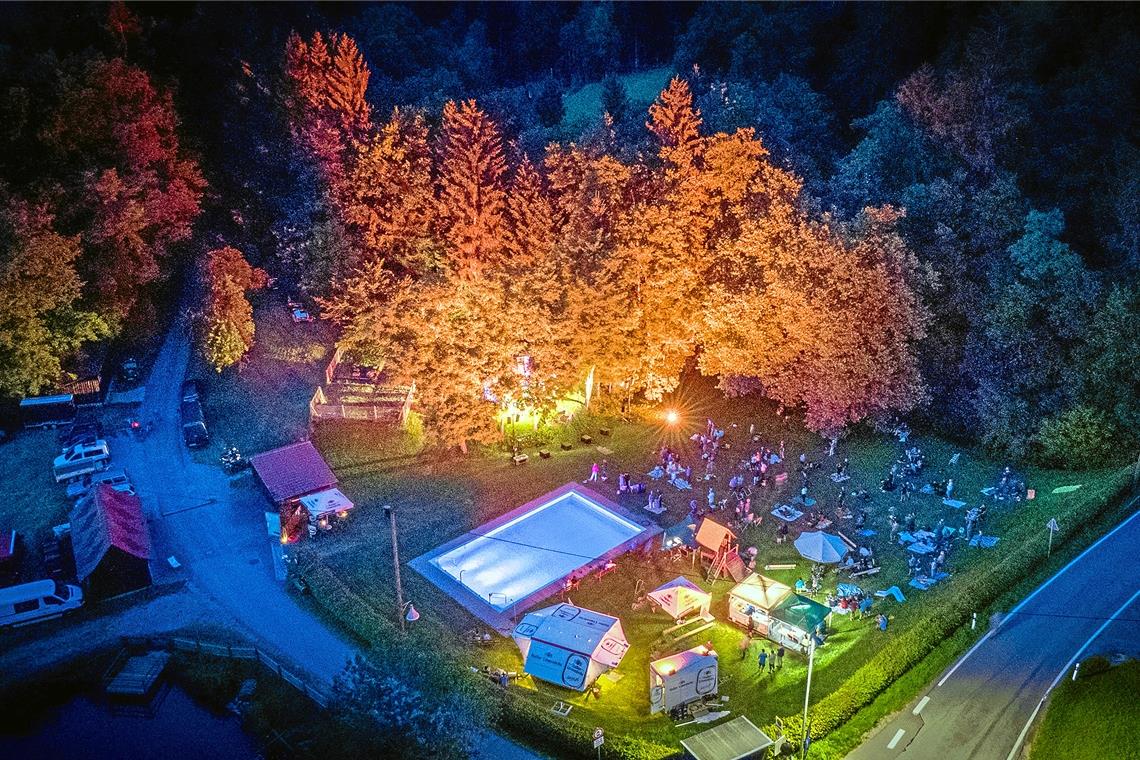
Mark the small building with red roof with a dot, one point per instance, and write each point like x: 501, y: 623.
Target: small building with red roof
x: 301, y: 485
x: 111, y: 542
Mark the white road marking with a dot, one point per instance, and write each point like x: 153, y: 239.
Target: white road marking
x: 1021, y: 737
x: 1041, y: 588
x: 895, y: 741
x: 921, y: 704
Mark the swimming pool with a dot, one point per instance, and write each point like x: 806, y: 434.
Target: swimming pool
x: 524, y: 555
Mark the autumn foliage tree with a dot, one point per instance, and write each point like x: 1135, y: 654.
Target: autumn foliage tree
x: 227, y: 327
x: 471, y: 200
x: 127, y: 186
x: 42, y: 320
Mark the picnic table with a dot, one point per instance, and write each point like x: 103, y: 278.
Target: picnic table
x: 921, y: 547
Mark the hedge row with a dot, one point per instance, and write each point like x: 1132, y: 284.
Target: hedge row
x: 918, y: 641
x: 351, y: 609
x: 566, y: 737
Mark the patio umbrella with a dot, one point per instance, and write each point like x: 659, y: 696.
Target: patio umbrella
x: 821, y: 547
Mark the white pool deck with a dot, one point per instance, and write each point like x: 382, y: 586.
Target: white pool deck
x: 502, y: 568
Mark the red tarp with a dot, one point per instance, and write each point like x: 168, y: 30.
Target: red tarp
x: 106, y: 518
x: 292, y: 471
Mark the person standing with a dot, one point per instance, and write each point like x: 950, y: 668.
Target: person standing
x: 949, y: 487
x: 762, y: 659
x: 745, y: 645
x: 772, y: 664
x: 593, y: 474
x: 780, y: 657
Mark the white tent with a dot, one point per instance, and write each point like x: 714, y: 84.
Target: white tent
x: 680, y: 597
x: 568, y: 645
x: 821, y: 547
x: 682, y: 678
x: 750, y: 601
x: 327, y: 502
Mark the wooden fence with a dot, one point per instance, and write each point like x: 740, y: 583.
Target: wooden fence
x: 197, y: 646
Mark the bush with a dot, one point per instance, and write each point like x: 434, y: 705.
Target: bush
x: 924, y: 635
x: 1081, y: 438
x: 1093, y: 666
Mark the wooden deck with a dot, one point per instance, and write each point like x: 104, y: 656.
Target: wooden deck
x: 138, y: 675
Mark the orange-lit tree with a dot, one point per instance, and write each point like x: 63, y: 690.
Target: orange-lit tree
x: 227, y: 326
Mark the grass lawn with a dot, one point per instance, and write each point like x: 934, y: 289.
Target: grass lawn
x: 1091, y: 718
x: 438, y: 496
x: 264, y: 404
x: 585, y: 105
x: 33, y: 502
x: 437, y: 500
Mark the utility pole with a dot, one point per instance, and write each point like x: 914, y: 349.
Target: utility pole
x: 396, y: 566
x: 807, y: 695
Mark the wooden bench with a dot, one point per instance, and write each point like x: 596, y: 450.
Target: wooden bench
x: 868, y: 571
x: 520, y: 458
x: 544, y: 453
x: 693, y: 632
x: 566, y: 446
x: 604, y: 431
x: 605, y: 571
x: 586, y: 438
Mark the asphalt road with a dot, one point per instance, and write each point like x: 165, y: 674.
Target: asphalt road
x: 984, y: 706
x: 215, y: 529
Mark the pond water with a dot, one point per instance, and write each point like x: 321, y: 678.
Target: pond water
x: 86, y: 729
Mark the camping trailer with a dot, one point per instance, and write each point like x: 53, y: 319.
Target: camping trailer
x: 48, y: 411
x: 682, y: 678
x: 569, y: 646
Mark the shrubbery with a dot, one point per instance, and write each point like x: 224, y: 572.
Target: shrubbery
x: 1081, y: 438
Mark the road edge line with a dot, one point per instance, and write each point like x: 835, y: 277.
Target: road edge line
x: 1111, y: 619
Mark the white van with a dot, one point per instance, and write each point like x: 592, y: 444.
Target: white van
x: 81, y: 459
x: 117, y: 479
x: 36, y: 601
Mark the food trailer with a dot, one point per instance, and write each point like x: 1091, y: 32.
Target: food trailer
x: 682, y: 678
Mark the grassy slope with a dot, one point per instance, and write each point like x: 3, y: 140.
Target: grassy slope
x: 585, y: 105
x: 33, y: 502
x: 1092, y: 718
x: 439, y: 497
x: 438, y: 501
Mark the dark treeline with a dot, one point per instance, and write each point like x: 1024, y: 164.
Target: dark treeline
x: 1008, y: 134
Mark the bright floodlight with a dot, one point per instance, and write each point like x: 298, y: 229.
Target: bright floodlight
x: 671, y: 416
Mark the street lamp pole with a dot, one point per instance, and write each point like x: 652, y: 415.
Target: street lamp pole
x: 807, y: 695
x: 396, y: 566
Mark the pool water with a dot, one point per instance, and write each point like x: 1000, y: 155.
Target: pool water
x: 511, y: 561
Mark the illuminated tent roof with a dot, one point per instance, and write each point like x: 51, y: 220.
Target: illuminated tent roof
x: 801, y: 612
x: 568, y: 645
x: 733, y: 740
x: 760, y: 591
x: 680, y: 596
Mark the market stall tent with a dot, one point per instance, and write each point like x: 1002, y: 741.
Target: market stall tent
x: 569, y: 646
x: 681, y: 597
x: 794, y: 618
x: 751, y: 601
x: 682, y: 678
x: 328, y: 502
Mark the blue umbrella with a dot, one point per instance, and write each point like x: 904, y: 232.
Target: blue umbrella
x: 821, y: 547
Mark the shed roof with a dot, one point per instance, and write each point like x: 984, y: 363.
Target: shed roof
x: 711, y: 534
x: 292, y: 471
x: 105, y: 518
x: 733, y: 740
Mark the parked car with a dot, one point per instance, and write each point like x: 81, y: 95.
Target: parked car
x: 194, y: 430
x: 191, y: 390
x: 300, y: 313
x: 48, y: 411
x: 117, y: 479
x: 129, y: 370
x: 83, y: 431
x: 81, y: 459
x: 38, y: 600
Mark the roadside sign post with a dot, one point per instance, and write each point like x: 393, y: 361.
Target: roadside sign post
x: 599, y: 740
x: 1053, y: 527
